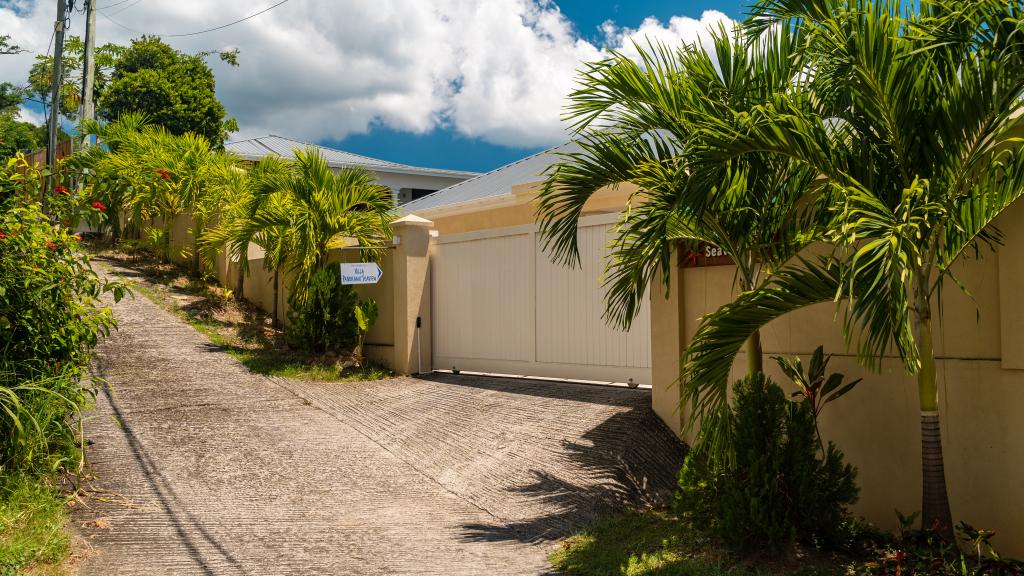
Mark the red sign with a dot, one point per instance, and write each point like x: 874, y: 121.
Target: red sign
x: 704, y: 255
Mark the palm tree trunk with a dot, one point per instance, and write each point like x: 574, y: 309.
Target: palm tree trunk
x: 755, y: 362
x: 240, y: 280
x: 276, y: 321
x: 934, y: 497
x: 197, y: 230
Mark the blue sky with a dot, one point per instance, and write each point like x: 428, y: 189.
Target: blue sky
x: 446, y: 148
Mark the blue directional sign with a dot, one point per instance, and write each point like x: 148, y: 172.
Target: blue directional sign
x: 360, y: 273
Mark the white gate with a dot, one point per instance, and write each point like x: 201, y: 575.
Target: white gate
x: 501, y: 306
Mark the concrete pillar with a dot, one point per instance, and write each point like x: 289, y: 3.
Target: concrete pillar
x: 667, y: 347
x: 412, y: 294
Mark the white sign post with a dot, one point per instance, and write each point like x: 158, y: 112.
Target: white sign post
x: 360, y: 273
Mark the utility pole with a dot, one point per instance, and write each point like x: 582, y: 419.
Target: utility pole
x: 88, y: 108
x: 58, y: 55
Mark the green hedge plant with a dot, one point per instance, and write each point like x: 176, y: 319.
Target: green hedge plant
x: 775, y: 488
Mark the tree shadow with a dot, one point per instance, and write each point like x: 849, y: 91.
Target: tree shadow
x: 628, y: 461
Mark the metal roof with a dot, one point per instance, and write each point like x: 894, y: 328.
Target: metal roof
x: 256, y: 148
x: 497, y: 182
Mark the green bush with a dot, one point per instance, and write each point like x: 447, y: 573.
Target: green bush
x: 51, y: 317
x: 324, y: 317
x: 772, y: 488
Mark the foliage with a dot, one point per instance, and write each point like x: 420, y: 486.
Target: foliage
x: 147, y: 173
x: 40, y: 76
x: 650, y: 543
x: 50, y: 319
x: 776, y: 489
x: 6, y: 47
x: 173, y: 89
x: 812, y: 386
x: 32, y: 533
x: 635, y: 122
x: 928, y: 553
x: 366, y: 316
x: 236, y: 327
x: 325, y: 318
x: 912, y: 127
x: 15, y: 134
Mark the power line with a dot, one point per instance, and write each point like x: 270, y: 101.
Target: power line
x: 116, y: 12
x: 221, y: 27
x: 112, y: 5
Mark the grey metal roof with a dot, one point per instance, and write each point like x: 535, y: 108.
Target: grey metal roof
x: 256, y: 148
x: 497, y: 182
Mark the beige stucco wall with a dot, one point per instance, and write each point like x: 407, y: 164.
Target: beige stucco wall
x: 518, y: 210
x: 980, y: 349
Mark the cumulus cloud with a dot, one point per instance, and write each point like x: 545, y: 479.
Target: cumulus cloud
x: 498, y: 70
x: 32, y: 116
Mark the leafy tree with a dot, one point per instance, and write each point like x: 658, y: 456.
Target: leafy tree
x: 914, y: 128
x: 175, y: 90
x: 6, y: 47
x: 15, y: 134
x: 635, y: 123
x: 40, y: 76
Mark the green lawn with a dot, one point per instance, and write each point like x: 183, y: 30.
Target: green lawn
x: 33, y: 534
x: 655, y: 544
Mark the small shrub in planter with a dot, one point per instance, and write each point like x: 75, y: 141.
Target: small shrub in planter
x: 773, y: 488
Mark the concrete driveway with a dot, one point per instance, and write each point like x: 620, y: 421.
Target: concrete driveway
x: 204, y: 468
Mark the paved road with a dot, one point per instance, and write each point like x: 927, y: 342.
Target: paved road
x: 204, y: 468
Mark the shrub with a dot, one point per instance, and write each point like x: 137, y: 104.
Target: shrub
x: 772, y: 488
x: 323, y: 318
x: 51, y: 317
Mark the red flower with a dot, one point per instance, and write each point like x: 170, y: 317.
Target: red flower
x: 164, y: 174
x: 60, y: 190
x: 2, y: 235
x: 99, y: 206
x: 51, y: 245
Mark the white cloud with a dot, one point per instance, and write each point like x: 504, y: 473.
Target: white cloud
x: 32, y: 116
x: 315, y: 69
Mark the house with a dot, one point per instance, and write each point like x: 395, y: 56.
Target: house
x: 407, y: 183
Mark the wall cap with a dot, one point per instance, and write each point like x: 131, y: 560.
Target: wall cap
x: 412, y: 220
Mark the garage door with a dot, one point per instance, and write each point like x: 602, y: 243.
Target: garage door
x: 500, y: 305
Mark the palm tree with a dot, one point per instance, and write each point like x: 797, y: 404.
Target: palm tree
x: 196, y: 175
x: 913, y: 127
x: 635, y: 123
x: 306, y: 211
x: 99, y: 175
x: 252, y: 189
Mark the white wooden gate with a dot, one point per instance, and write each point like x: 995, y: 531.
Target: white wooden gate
x: 501, y: 306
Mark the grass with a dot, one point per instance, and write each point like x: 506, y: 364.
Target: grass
x: 239, y: 328
x: 651, y: 543
x: 33, y: 534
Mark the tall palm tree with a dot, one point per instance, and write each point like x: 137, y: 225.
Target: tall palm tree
x: 201, y: 177
x: 913, y: 127
x: 635, y: 123
x: 311, y: 209
x: 100, y: 176
x: 252, y: 189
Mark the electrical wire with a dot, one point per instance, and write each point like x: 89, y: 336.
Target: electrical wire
x: 116, y: 12
x: 221, y: 27
x: 112, y: 5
